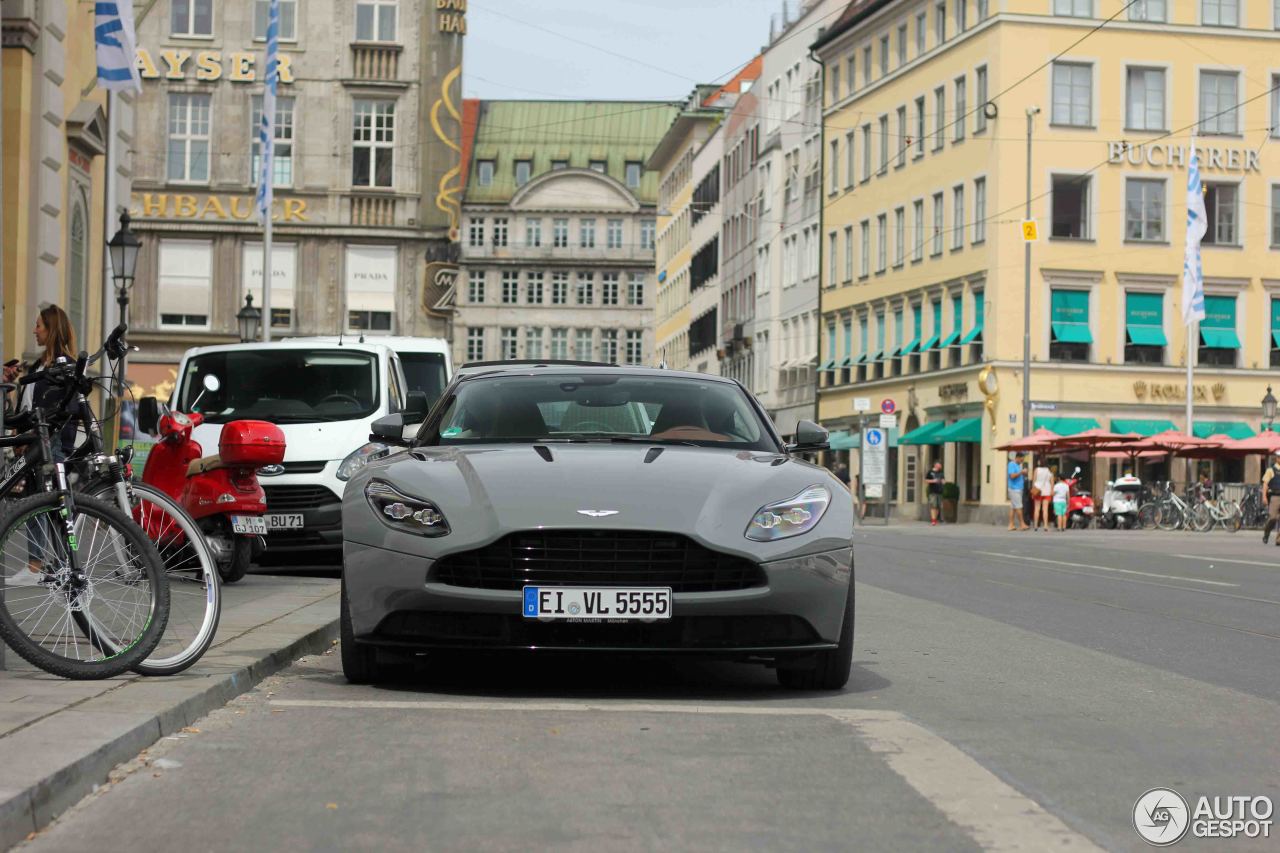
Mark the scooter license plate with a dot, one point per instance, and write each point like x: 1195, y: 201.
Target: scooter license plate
x: 249, y: 525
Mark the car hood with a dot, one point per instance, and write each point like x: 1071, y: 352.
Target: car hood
x: 322, y: 441
x: 705, y: 493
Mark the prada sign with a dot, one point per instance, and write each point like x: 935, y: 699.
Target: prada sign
x: 1162, y: 156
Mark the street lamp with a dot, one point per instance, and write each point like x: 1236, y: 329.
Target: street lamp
x: 123, y: 249
x: 249, y: 318
x: 1269, y: 408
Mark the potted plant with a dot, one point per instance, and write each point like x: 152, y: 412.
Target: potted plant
x: 950, y: 500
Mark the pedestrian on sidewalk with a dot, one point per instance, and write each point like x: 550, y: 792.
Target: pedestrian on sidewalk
x: 1271, y: 490
x: 1061, y: 495
x: 933, y: 484
x: 1017, y: 486
x: 1042, y: 494
x: 55, y: 336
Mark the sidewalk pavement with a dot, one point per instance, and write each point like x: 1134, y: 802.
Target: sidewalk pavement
x: 59, y: 739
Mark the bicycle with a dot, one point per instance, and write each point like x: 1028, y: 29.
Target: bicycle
x: 1253, y: 507
x: 1213, y: 512
x: 83, y: 593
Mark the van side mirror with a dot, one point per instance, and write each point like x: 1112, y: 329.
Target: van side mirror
x: 416, y: 406
x: 389, y: 429
x: 809, y: 436
x: 148, y: 415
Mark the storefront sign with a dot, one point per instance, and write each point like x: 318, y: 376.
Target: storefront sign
x: 955, y: 389
x: 206, y: 65
x: 1161, y: 155
x: 225, y: 208
x: 1172, y: 392
x: 453, y: 16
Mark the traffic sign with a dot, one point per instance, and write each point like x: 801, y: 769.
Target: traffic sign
x: 874, y: 456
x: 862, y: 404
x: 888, y: 422
x: 1030, y: 231
x: 888, y: 407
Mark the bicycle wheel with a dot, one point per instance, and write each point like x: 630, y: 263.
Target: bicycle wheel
x: 1169, y: 516
x: 1200, y: 519
x: 1234, y: 518
x: 119, y: 587
x: 195, y: 593
x: 1147, y: 514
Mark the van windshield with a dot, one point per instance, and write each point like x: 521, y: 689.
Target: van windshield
x: 425, y: 372
x: 282, y: 385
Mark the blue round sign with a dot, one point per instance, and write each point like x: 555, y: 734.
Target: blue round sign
x: 874, y: 437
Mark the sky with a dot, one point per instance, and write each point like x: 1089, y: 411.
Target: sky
x: 657, y: 49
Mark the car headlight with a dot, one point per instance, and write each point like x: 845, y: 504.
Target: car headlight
x: 791, y: 517
x: 361, y: 457
x: 401, y: 512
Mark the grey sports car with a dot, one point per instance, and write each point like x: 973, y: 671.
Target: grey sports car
x: 565, y: 506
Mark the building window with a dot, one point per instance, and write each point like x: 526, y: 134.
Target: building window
x: 559, y: 288
x: 899, y: 236
x: 533, y: 232
x: 1073, y: 8
x: 510, y: 343
x: 560, y: 233
x: 957, y: 217
x: 475, y: 344
x: 866, y: 152
x: 1072, y: 94
x: 192, y: 18
x: 866, y: 65
x: 1145, y: 108
x: 884, y: 145
x: 851, y: 71
x: 1275, y: 216
x: 833, y: 167
x: 921, y: 34
x: 185, y: 283
x: 939, y: 116
x: 849, y: 162
x: 884, y: 55
x: 373, y: 143
x: 189, y: 117
x: 586, y: 288
x: 371, y: 288
x: 938, y: 214
x: 533, y: 287
x: 1069, y: 325
x: 484, y: 172
x: 282, y: 149
x: 962, y: 15
x: 917, y: 223
x: 1148, y: 10
x: 559, y: 344
x: 1275, y: 93
x: 983, y: 9
x: 510, y: 287
x: 288, y: 19
x: 1274, y: 343
x: 833, y: 259
x: 1070, y: 207
x: 1221, y: 203
x: 524, y: 170
x: 635, y: 288
x: 475, y: 287
x: 1144, y: 210
x: 648, y: 228
x: 609, y: 288
x: 960, y: 109
x: 864, y: 260
x: 835, y: 83
x: 848, y: 253
x: 635, y: 346
x: 979, y: 209
x: 882, y: 242
x: 902, y: 45
x: 500, y: 231
x: 597, y: 166
x: 557, y: 165
x: 634, y: 172
x: 475, y: 231
x: 919, y: 134
x: 613, y: 234
x: 940, y: 23
x: 980, y: 114
x: 582, y: 345
x: 533, y: 343
x: 609, y: 346
x: 284, y: 264
x: 1218, y: 91
x: 375, y: 20
x: 1144, y: 328
x: 1219, y: 342
x: 586, y: 233
x: 1220, y: 13
x: 903, y: 141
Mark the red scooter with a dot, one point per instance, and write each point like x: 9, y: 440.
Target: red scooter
x: 1080, y: 510
x: 221, y: 492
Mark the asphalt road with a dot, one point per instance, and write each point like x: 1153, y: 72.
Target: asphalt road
x: 1011, y: 691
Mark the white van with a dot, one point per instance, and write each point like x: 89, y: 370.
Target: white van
x: 427, y: 363
x: 324, y: 395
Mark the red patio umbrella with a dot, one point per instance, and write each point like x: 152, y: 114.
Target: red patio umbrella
x: 1039, y: 440
x: 1091, y: 439
x: 1262, y: 443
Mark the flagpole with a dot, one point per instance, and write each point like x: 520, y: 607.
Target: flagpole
x: 266, y: 145
x: 266, y: 280
x: 1193, y: 302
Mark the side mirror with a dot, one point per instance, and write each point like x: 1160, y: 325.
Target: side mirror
x: 148, y: 415
x: 389, y: 429
x: 1076, y: 473
x: 212, y: 383
x: 416, y: 406
x: 809, y: 436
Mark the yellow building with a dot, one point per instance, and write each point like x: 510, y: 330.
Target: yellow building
x: 925, y: 142
x: 57, y: 143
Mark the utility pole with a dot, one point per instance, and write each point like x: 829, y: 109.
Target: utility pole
x: 1026, y: 293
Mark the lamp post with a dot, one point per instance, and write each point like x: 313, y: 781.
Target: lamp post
x: 123, y: 249
x: 1269, y: 408
x: 250, y: 320
x: 1026, y: 293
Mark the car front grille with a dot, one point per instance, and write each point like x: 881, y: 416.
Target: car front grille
x: 598, y: 558
x: 297, y: 498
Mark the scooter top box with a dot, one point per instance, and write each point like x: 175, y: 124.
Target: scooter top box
x: 251, y: 443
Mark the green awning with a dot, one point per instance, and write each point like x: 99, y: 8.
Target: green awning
x: 876, y: 356
x: 950, y: 339
x: 1235, y: 429
x: 847, y: 363
x: 911, y: 346
x: 1072, y: 333
x: 977, y: 323
x: 1275, y: 336
x: 1143, y: 428
x: 1144, y: 319
x: 841, y: 441
x: 965, y: 431
x: 827, y: 366
x: 929, y: 344
x: 926, y: 434
x: 1220, y: 338
x: 862, y: 359
x: 1065, y: 426
x: 1147, y: 336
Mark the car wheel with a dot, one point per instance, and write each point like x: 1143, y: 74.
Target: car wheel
x: 831, y: 670
x: 359, y: 662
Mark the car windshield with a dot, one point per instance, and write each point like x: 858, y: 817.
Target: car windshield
x: 425, y: 372
x: 282, y: 385
x: 599, y: 407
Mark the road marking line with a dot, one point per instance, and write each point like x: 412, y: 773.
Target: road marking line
x: 1274, y: 564
x: 995, y: 814
x: 1107, y: 569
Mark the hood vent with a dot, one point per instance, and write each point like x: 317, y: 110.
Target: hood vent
x: 654, y: 453
x: 543, y: 451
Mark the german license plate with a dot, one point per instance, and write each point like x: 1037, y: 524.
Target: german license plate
x: 284, y: 521
x: 588, y: 603
x: 249, y: 525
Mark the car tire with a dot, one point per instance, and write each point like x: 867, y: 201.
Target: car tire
x: 359, y: 662
x: 831, y: 669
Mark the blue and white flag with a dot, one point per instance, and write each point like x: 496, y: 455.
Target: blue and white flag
x: 266, y: 128
x: 116, y: 44
x: 1197, y: 225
